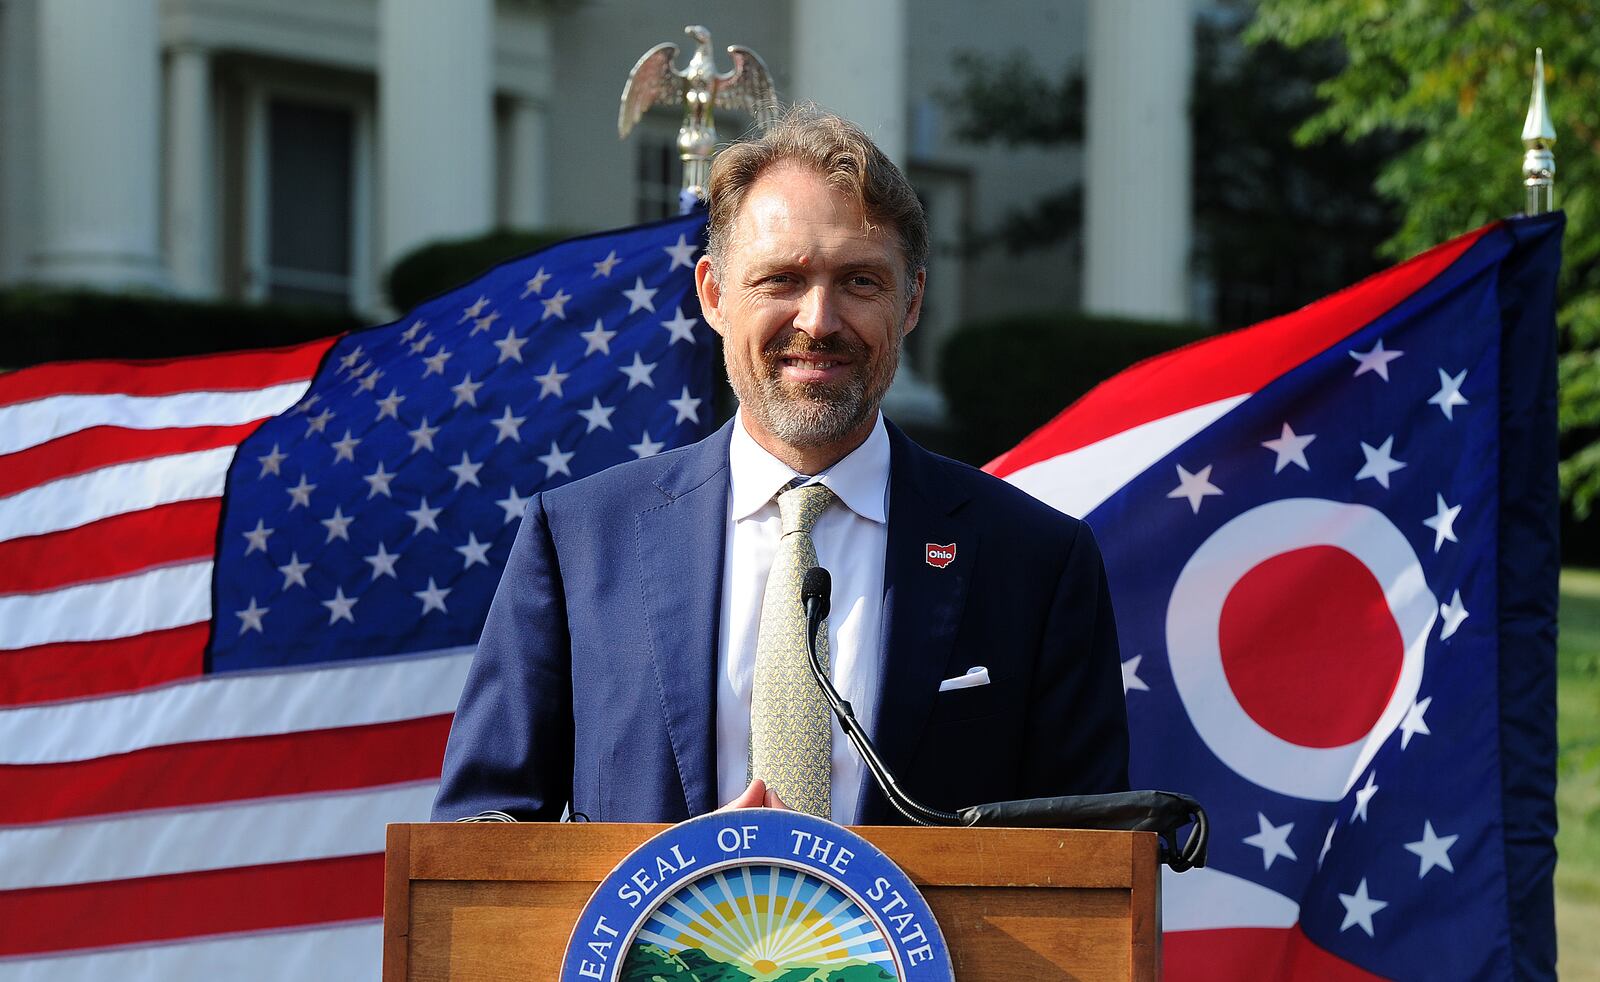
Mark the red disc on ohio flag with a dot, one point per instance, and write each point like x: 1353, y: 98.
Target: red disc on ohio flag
x: 1335, y: 651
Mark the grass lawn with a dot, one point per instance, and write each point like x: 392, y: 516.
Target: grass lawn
x: 1578, y: 793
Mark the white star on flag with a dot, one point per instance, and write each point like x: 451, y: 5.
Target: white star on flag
x: 484, y: 323
x: 598, y: 416
x: 688, y: 409
x: 422, y: 436
x: 1131, y: 682
x: 606, y: 265
x: 1195, y: 486
x: 294, y: 572
x: 1290, y: 448
x: 474, y: 310
x: 1364, y: 797
x: 510, y: 347
x: 1272, y: 840
x: 1449, y: 395
x: 1414, y: 723
x: 338, y: 525
x: 424, y: 517
x: 640, y: 297
x: 466, y: 472
x: 474, y: 551
x: 379, y: 480
x: 270, y: 461
x: 257, y: 537
x: 680, y: 327
x: 466, y: 390
x: 682, y: 253
x: 550, y: 382
x: 300, y: 494
x: 433, y: 597
x: 514, y: 505
x: 1432, y: 850
x: 341, y: 607
x: 1453, y: 613
x: 597, y: 339
x: 1377, y: 360
x: 389, y: 405
x: 646, y: 447
x: 319, y: 422
x: 250, y: 618
x: 1359, y: 908
x: 536, y: 284
x: 556, y: 306
x: 411, y: 332
x: 639, y: 372
x: 507, y: 427
x: 435, y: 363
x: 1380, y: 463
x: 382, y: 562
x: 1443, y: 523
x: 555, y: 462
x: 349, y: 361
x: 345, y: 448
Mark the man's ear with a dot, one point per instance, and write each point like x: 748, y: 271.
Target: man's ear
x: 914, y: 308
x: 710, y: 291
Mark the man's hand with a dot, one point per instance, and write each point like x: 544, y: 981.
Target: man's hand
x: 757, y: 795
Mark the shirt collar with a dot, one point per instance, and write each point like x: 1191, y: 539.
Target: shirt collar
x: 860, y: 480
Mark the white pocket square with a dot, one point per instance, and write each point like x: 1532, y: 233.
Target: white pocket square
x: 975, y: 677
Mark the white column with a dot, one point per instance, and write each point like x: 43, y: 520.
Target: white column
x: 1136, y: 193
x: 435, y: 121
x: 849, y: 57
x: 191, y: 204
x: 99, y: 122
x: 527, y: 183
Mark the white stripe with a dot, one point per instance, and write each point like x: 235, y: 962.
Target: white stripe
x: 346, y: 951
x: 154, y: 600
x: 82, y: 498
x: 29, y: 424
x: 222, y: 707
x: 254, y: 833
x: 1206, y: 899
x: 1078, y: 481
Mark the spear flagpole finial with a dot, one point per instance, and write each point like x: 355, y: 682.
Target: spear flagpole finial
x: 1539, y: 137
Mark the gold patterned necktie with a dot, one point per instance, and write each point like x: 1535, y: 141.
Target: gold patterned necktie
x: 791, y: 731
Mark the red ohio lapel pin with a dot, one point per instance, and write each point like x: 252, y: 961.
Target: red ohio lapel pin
x: 940, y: 556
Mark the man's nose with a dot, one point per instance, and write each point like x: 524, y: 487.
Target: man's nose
x: 818, y: 315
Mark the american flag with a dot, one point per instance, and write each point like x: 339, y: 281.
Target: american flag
x: 1330, y: 539
x: 238, y: 596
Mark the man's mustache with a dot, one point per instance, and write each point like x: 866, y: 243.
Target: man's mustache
x: 798, y: 344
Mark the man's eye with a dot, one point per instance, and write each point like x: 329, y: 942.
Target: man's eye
x: 863, y: 281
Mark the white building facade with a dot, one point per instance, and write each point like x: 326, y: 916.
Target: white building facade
x: 292, y: 149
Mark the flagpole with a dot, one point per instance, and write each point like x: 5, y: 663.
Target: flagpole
x: 1539, y: 136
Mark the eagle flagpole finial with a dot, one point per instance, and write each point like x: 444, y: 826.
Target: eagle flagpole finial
x: 700, y: 88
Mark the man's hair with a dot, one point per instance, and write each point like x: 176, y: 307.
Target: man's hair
x: 844, y: 156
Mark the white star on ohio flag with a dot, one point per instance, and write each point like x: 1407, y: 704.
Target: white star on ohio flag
x: 1449, y: 395
x: 1359, y: 908
x: 1453, y: 613
x: 1131, y: 682
x: 1377, y: 360
x: 1195, y: 487
x: 1272, y: 840
x: 1380, y: 462
x: 1414, y: 723
x: 1290, y: 448
x: 1443, y: 523
x: 1364, y: 797
x: 1432, y: 850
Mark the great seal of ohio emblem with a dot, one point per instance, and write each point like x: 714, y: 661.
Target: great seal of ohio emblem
x: 757, y: 895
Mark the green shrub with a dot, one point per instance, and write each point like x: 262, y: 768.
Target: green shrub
x: 440, y: 266
x: 1006, y: 377
x: 42, y: 325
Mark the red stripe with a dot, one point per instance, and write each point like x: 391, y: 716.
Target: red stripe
x: 79, y: 669
x: 202, y: 773
x: 234, y: 371
x: 1252, y: 953
x: 182, y: 531
x: 1233, y: 364
x: 189, y: 905
x: 102, y: 446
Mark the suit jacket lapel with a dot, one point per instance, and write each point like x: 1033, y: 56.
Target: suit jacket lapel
x: 922, y: 603
x: 680, y: 542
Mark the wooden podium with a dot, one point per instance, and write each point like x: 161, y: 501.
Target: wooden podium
x: 498, y: 901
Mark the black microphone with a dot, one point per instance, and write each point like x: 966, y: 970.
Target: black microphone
x: 815, y: 590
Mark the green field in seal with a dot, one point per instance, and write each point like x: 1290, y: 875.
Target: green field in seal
x: 652, y: 963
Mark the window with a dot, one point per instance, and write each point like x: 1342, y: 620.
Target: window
x: 660, y: 173
x: 310, y: 199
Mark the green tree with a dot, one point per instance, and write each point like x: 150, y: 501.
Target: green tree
x: 1453, y: 80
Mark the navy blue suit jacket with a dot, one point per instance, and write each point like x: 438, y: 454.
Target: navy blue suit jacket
x: 594, y: 680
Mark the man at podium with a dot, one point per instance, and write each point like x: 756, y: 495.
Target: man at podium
x: 644, y: 659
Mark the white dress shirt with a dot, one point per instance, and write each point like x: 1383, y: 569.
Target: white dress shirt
x: 850, y: 537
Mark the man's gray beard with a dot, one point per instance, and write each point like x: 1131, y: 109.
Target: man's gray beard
x: 825, y: 415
